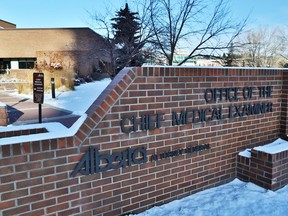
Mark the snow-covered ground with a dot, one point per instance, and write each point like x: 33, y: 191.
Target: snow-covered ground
x: 236, y: 198
x: 80, y: 99
x: 77, y: 101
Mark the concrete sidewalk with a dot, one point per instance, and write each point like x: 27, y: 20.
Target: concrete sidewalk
x: 23, y: 111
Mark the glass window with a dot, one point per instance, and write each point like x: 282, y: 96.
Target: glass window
x: 22, y: 65
x: 27, y: 63
x: 5, y: 63
x: 17, y: 63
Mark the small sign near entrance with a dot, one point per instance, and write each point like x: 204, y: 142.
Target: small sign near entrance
x: 38, y: 87
x: 38, y: 91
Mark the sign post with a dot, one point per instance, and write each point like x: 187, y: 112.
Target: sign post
x: 53, y: 87
x: 38, y: 91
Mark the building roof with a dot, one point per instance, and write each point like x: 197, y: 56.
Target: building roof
x: 4, y: 24
x: 57, y: 28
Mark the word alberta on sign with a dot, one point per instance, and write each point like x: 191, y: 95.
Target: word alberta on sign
x: 93, y: 162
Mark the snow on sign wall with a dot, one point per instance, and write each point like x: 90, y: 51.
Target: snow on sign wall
x: 154, y: 135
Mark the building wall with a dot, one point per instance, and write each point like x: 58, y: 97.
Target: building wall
x: 25, y: 42
x: 82, y: 45
x: 158, y: 163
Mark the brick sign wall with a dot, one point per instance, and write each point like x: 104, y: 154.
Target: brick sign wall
x: 154, y: 135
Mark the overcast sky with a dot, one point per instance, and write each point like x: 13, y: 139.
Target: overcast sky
x: 73, y: 13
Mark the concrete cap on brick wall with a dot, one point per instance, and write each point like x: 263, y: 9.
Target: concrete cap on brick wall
x: 2, y: 105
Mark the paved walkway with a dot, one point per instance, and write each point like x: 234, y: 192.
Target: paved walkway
x: 23, y: 111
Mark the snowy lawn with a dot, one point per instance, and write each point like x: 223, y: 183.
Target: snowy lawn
x: 80, y: 99
x: 236, y: 198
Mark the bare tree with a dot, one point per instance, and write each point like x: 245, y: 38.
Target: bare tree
x: 203, y: 29
x: 284, y: 54
x: 102, y: 24
x: 262, y: 47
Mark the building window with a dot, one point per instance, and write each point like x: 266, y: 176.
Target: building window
x: 5, y: 64
x: 17, y: 63
x: 27, y: 63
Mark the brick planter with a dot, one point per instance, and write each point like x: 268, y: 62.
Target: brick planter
x: 268, y: 170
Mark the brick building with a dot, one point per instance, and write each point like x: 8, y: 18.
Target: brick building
x: 79, y: 50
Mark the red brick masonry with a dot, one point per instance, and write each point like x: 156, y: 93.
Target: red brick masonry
x: 268, y: 170
x: 154, y: 135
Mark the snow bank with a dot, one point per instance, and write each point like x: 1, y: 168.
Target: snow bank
x: 235, y: 198
x: 55, y: 130
x: 277, y: 146
x: 246, y: 153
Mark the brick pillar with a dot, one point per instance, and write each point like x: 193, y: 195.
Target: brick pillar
x: 284, y: 106
x: 4, y: 120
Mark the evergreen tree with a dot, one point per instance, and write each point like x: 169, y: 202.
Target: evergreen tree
x: 230, y: 59
x: 127, y: 36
